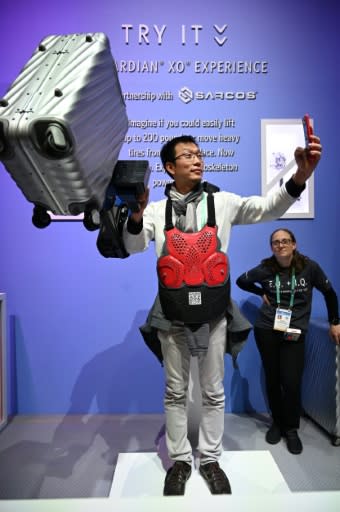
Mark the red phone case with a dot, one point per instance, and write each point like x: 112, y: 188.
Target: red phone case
x: 307, y: 128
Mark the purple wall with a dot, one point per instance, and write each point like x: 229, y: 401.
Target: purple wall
x: 73, y: 339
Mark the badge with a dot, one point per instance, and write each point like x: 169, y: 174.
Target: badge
x: 282, y: 319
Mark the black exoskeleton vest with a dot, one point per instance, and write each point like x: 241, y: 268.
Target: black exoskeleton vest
x: 193, y: 274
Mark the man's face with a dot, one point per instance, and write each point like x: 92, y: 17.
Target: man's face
x: 187, y: 169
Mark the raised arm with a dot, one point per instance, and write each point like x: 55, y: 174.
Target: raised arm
x: 307, y: 159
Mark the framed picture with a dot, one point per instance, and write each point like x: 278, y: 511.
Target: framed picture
x: 279, y: 139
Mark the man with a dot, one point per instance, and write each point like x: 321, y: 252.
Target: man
x: 191, y: 231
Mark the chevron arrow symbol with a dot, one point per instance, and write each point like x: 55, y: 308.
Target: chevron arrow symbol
x: 220, y: 30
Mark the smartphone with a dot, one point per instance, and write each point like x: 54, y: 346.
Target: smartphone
x: 307, y: 128
x: 291, y: 334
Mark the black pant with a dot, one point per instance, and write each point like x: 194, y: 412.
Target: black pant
x: 283, y: 363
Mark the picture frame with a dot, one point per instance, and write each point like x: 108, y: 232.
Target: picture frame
x: 279, y: 139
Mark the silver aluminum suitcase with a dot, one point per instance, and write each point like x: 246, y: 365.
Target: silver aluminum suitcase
x: 62, y: 125
x: 321, y: 379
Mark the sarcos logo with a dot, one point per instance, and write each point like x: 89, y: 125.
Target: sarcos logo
x: 187, y: 95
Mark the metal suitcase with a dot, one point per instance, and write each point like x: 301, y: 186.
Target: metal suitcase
x: 320, y: 392
x: 62, y: 125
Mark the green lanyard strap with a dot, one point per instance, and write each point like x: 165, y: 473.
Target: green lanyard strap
x: 292, y: 289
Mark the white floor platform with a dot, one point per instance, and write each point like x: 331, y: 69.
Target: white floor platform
x: 303, y: 502
x: 256, y: 481
x: 141, y: 475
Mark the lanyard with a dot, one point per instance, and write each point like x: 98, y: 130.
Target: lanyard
x: 292, y: 289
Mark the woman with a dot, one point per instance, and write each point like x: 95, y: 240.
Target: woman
x: 285, y: 282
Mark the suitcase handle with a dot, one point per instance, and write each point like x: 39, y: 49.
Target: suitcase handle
x: 55, y: 140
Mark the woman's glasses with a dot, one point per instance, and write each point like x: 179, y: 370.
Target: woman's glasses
x: 284, y: 241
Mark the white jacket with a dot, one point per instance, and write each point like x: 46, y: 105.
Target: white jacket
x: 230, y: 209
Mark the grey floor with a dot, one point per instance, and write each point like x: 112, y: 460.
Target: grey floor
x: 46, y: 457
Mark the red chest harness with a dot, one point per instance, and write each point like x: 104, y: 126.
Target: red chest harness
x: 193, y: 274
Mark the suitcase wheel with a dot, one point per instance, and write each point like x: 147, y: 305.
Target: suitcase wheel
x: 336, y: 441
x: 91, y: 220
x: 40, y: 217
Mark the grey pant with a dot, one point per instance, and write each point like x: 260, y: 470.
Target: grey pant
x: 211, y: 374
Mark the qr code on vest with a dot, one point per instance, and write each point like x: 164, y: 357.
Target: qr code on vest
x: 195, y: 298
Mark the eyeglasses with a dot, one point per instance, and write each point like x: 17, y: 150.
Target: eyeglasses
x: 284, y: 241
x: 190, y: 156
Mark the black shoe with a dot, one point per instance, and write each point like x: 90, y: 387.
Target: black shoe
x: 273, y: 435
x: 215, y: 477
x: 176, y: 478
x: 294, y: 444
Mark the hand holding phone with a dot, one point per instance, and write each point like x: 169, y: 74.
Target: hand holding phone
x: 307, y: 128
